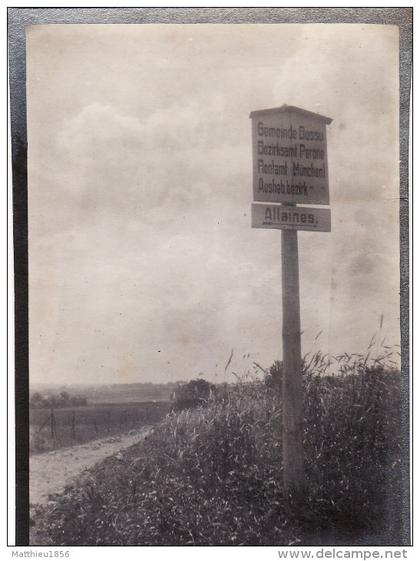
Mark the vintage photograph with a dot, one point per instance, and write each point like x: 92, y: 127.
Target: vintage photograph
x: 214, y: 285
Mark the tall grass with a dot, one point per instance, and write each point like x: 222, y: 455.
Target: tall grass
x: 353, y: 450
x: 213, y: 475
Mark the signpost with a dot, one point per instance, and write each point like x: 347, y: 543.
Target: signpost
x: 290, y: 167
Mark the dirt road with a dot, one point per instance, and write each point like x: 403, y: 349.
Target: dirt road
x: 51, y: 472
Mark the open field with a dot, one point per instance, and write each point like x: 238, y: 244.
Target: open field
x: 213, y: 475
x: 51, y: 429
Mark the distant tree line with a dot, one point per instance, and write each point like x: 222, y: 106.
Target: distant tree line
x: 63, y: 399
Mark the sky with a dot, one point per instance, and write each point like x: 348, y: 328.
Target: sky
x: 143, y: 266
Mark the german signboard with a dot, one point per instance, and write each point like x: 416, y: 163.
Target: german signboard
x: 291, y: 217
x: 289, y: 151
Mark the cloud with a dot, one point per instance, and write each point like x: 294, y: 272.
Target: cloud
x: 140, y: 192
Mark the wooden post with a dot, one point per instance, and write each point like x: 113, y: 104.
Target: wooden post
x: 73, y: 426
x: 53, y: 425
x: 293, y: 468
x: 275, y: 169
x: 52, y: 422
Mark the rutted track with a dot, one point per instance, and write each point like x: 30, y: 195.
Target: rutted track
x: 51, y: 472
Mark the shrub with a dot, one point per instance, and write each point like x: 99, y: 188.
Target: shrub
x: 192, y: 394
x: 274, y: 377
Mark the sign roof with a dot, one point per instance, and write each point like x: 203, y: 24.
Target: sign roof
x: 290, y: 109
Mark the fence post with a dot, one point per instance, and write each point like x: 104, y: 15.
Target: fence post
x: 73, y: 426
x: 53, y: 424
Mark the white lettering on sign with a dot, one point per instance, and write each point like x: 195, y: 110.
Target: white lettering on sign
x: 290, y: 156
x: 291, y: 217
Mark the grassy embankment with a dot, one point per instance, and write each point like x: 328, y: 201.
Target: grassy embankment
x: 213, y: 475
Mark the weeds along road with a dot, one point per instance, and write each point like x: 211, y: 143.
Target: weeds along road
x: 51, y: 472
